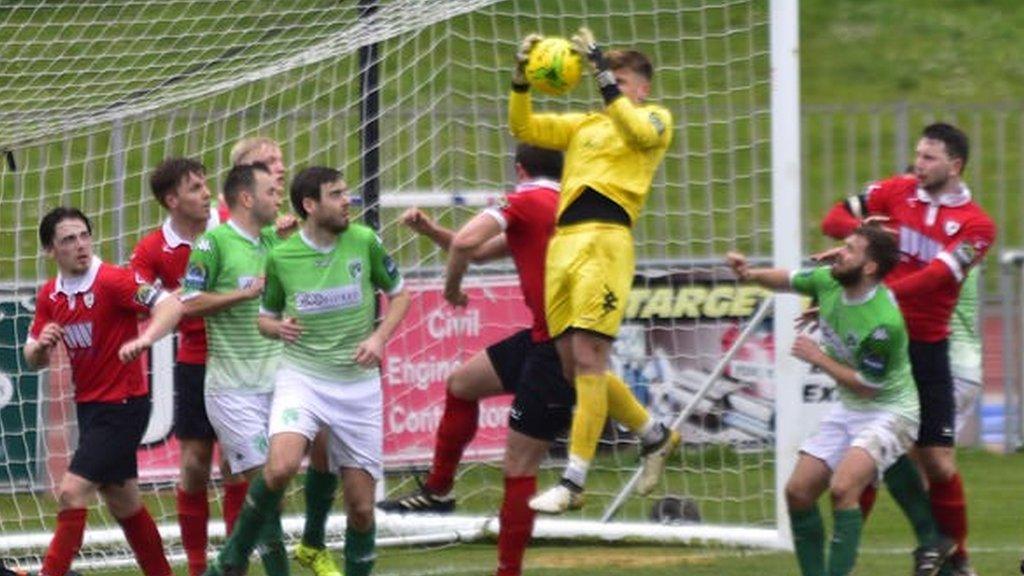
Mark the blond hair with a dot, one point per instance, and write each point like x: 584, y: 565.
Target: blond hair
x: 247, y: 146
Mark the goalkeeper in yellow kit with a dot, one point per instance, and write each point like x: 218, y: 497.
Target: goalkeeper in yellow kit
x: 610, y: 159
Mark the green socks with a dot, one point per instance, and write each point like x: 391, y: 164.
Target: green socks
x: 271, y: 546
x: 319, y: 488
x: 845, y: 540
x: 809, y: 540
x: 260, y: 503
x: 905, y: 485
x: 360, y: 551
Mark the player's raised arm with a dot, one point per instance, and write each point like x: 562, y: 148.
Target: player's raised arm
x: 772, y: 278
x: 545, y: 130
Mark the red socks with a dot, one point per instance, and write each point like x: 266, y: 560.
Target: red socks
x: 142, y: 535
x: 234, y: 499
x: 516, y: 524
x: 67, y: 539
x: 867, y: 500
x: 457, y: 428
x: 950, y: 510
x: 193, y: 515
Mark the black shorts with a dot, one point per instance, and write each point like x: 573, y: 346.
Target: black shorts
x: 190, y: 421
x: 507, y: 357
x: 929, y: 362
x: 108, y: 438
x: 542, y: 407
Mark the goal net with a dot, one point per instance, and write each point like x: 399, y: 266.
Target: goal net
x: 408, y: 98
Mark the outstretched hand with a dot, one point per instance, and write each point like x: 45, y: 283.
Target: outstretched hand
x: 523, y: 57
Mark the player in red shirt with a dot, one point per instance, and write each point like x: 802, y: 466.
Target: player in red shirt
x: 943, y: 234
x: 93, y: 308
x: 525, y: 364
x: 160, y: 258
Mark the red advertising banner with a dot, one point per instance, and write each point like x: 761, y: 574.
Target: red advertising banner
x: 434, y: 340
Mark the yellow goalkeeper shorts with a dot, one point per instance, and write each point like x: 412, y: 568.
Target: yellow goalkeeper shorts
x: 587, y: 277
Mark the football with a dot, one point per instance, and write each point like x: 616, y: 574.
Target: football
x: 554, y: 67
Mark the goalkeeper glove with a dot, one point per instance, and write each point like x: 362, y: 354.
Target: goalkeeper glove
x: 585, y: 45
x: 519, y: 80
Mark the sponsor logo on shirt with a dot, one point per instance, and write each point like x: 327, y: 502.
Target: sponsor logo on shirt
x: 78, y: 335
x: 338, y: 298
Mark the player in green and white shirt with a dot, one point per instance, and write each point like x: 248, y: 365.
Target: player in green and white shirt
x: 965, y: 350
x: 223, y: 282
x: 865, y: 351
x: 320, y: 299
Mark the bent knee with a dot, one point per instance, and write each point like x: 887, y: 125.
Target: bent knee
x: 798, y: 496
x: 360, y: 515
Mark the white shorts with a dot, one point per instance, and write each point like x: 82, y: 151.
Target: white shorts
x: 884, y: 435
x: 965, y: 397
x: 240, y: 421
x: 351, y: 411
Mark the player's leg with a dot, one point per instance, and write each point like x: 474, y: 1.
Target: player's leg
x: 540, y: 411
x: 935, y: 443
x: 319, y: 487
x: 120, y: 428
x: 125, y: 504
x: 966, y: 392
x: 657, y: 442
x: 74, y: 495
x: 196, y: 438
x: 241, y: 424
x: 353, y: 412
x: 856, y: 471
x: 809, y: 480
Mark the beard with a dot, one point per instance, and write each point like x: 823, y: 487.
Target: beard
x: 336, y: 227
x: 848, y: 278
x: 933, y: 185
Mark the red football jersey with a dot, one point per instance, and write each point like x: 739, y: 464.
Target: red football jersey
x: 953, y: 230
x: 99, y: 312
x: 528, y: 218
x: 160, y: 258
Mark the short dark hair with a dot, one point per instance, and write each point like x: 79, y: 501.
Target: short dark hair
x: 169, y: 173
x: 539, y: 162
x: 631, y: 60
x: 883, y: 249
x: 307, y: 183
x: 48, y: 225
x: 241, y: 177
x: 957, y: 143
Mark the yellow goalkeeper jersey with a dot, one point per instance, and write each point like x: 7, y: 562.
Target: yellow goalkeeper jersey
x: 615, y: 151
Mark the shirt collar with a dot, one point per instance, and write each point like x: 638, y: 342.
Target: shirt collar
x: 539, y: 183
x: 950, y: 200
x: 314, y: 245
x: 72, y: 285
x: 241, y: 232
x: 864, y: 298
x: 171, y: 237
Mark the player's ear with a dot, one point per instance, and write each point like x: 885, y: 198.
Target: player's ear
x: 871, y: 268
x: 309, y: 204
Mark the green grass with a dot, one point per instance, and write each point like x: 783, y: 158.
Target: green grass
x: 995, y: 539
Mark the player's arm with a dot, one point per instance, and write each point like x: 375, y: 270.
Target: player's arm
x: 37, y: 349
x: 775, y: 279
x: 545, y: 130
x: 271, y: 321
x: 421, y: 223
x: 200, y: 278
x: 144, y: 264
x: 470, y: 238
x: 951, y: 265
x: 640, y: 128
x: 164, y: 316
x: 806, y: 349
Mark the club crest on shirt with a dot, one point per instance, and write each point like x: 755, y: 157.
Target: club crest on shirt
x: 355, y: 269
x: 89, y: 299
x: 951, y: 227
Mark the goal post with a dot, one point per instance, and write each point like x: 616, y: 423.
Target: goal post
x: 100, y: 92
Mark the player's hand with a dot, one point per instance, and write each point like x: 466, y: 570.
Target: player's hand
x: 289, y: 329
x: 523, y: 57
x: 883, y: 222
x: 285, y: 225
x: 827, y: 256
x: 418, y: 220
x: 807, y: 321
x: 50, y: 335
x: 738, y: 263
x: 133, y: 349
x: 455, y: 296
x: 585, y: 45
x: 806, y: 349
x: 255, y: 288
x: 370, y: 352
